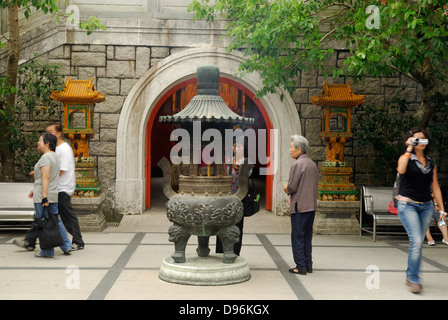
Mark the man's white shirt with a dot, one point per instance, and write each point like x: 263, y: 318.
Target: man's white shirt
x: 67, y: 180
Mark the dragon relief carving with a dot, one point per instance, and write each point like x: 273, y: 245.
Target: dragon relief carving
x: 176, y: 210
x: 206, y: 214
x: 233, y: 211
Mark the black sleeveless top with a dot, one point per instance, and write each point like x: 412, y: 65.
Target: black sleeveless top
x: 416, y: 182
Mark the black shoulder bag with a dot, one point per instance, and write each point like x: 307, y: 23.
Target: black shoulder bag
x: 250, y: 202
x: 48, y: 231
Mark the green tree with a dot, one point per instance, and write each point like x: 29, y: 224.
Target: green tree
x: 280, y: 37
x: 37, y: 82
x: 7, y: 102
x: 380, y: 132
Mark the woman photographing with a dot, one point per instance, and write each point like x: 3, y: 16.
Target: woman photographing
x: 415, y: 207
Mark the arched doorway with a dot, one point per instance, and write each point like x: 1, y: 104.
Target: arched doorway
x: 153, y: 88
x: 240, y: 99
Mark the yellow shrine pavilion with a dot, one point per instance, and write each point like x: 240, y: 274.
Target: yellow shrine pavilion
x: 337, y: 101
x: 79, y: 98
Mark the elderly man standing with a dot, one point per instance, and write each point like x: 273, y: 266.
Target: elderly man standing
x: 302, y: 189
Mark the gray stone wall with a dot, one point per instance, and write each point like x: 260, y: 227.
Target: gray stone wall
x: 114, y: 70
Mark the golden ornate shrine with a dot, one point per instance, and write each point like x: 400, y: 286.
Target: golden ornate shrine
x: 337, y: 101
x: 79, y: 98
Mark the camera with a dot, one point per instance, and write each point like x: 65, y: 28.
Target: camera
x: 417, y: 141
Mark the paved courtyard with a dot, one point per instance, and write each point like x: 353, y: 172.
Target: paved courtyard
x: 123, y: 263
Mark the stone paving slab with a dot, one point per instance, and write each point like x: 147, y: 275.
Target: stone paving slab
x: 118, y: 264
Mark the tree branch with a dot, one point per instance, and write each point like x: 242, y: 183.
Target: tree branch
x: 333, y: 5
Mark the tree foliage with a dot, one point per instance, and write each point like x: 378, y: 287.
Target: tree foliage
x: 12, y: 140
x: 380, y: 132
x: 33, y: 106
x: 280, y: 37
x: 47, y: 6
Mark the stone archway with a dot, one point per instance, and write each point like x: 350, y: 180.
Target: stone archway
x: 154, y: 129
x: 157, y: 81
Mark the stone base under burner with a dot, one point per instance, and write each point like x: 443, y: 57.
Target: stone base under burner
x: 204, y: 271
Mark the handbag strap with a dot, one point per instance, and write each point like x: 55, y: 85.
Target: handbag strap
x: 48, y: 213
x: 253, y: 184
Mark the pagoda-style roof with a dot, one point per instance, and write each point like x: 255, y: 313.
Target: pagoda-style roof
x: 207, y: 105
x: 209, y: 108
x: 337, y: 95
x: 78, y: 91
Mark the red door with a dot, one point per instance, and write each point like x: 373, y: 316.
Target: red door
x: 157, y: 134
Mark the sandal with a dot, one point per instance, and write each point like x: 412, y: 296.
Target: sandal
x: 297, y: 271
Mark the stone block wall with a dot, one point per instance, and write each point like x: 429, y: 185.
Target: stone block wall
x: 114, y: 70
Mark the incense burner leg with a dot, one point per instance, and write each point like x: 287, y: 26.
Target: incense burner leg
x: 203, y: 250
x: 179, y: 236
x: 229, y: 236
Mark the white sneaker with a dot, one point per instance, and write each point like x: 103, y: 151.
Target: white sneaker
x: 431, y: 243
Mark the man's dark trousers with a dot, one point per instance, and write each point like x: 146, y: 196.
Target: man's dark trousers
x: 69, y: 218
x: 301, y: 238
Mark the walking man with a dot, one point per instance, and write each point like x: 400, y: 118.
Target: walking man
x: 302, y: 189
x: 66, y: 186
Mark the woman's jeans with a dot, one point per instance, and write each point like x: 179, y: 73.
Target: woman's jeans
x: 415, y: 218
x: 53, y: 209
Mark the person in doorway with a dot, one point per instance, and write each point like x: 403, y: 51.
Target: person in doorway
x: 66, y: 186
x: 302, y: 189
x: 239, y: 155
x: 415, y: 206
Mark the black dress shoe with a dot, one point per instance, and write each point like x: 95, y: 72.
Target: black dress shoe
x: 298, y: 271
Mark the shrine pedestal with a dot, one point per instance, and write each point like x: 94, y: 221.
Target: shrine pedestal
x: 87, y: 185
x: 88, y: 211
x: 336, y: 217
x: 334, y: 184
x: 204, y: 271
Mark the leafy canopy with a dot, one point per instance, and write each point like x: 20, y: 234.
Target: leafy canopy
x: 34, y: 105
x: 47, y: 6
x: 50, y: 6
x: 280, y: 37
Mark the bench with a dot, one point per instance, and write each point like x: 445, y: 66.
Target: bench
x: 16, y: 209
x: 375, y: 202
